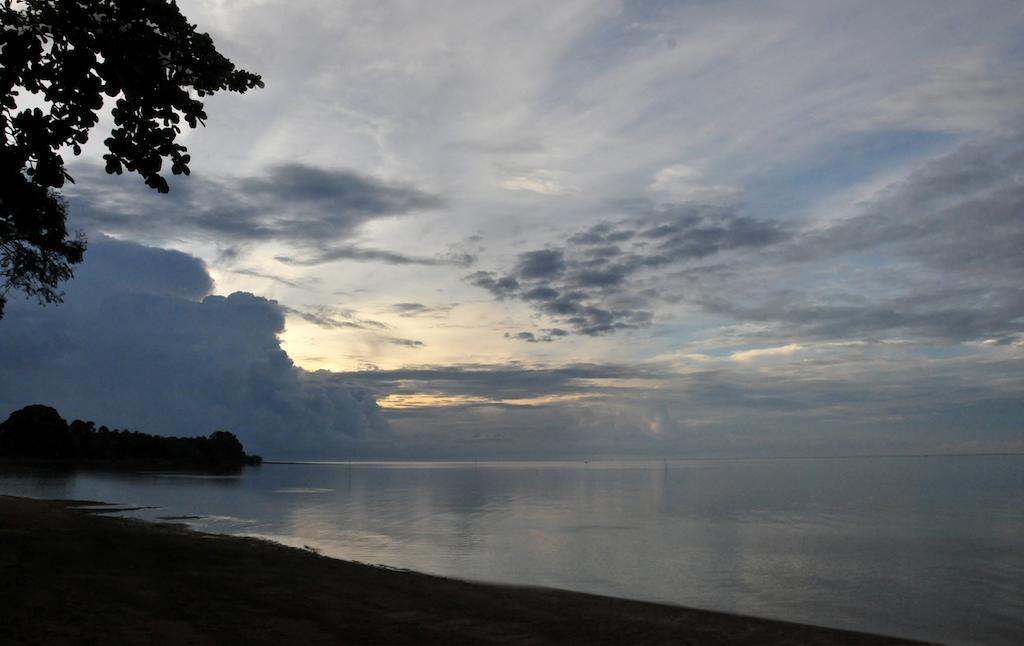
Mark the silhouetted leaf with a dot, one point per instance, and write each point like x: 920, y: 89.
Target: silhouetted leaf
x: 72, y: 53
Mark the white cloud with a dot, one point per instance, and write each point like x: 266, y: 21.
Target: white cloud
x: 976, y: 90
x: 682, y: 183
x: 539, y: 181
x: 764, y: 353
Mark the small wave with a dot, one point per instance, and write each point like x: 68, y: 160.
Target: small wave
x: 205, y: 522
x: 196, y: 476
x: 303, y: 490
x: 604, y: 528
x: 229, y: 519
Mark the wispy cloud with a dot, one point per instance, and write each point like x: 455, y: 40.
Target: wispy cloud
x: 413, y: 310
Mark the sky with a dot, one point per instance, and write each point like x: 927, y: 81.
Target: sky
x: 562, y: 230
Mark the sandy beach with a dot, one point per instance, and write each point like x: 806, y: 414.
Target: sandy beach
x: 73, y: 576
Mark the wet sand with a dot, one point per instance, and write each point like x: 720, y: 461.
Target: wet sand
x: 68, y: 576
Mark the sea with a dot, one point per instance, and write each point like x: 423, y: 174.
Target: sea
x: 928, y: 547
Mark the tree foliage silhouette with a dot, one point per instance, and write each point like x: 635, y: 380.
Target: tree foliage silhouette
x: 39, y: 432
x: 65, y: 56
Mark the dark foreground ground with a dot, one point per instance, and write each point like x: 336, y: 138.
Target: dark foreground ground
x: 67, y: 576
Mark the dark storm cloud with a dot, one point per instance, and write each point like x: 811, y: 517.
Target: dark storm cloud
x: 138, y: 343
x: 591, y: 283
x: 500, y: 286
x: 607, y: 276
x: 312, y: 208
x: 540, y: 293
x: 544, y: 264
x: 153, y: 271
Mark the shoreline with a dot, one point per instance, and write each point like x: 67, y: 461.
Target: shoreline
x: 70, y: 576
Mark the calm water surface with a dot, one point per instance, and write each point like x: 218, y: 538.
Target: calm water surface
x: 929, y: 547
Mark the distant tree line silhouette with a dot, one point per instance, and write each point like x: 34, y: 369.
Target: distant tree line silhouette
x: 39, y: 432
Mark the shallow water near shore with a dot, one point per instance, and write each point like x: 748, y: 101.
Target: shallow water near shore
x: 925, y: 547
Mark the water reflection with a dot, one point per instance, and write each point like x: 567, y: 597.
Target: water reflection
x: 36, y: 481
x: 932, y: 548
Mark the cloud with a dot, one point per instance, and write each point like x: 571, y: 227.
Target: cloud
x: 364, y: 254
x: 761, y: 353
x: 545, y: 263
x: 347, y: 195
x: 529, y: 337
x: 612, y: 110
x: 331, y: 318
x: 870, y: 397
x: 501, y: 287
x: 140, y: 343
x: 934, y: 257
x: 972, y: 90
x: 311, y: 208
x: 538, y: 181
x: 592, y: 283
x: 684, y: 183
x: 500, y: 148
x: 497, y: 382
x: 410, y: 309
x: 413, y: 310
x: 685, y: 232
x: 277, y: 279
x: 407, y: 343
x: 158, y: 353
x: 546, y: 336
x: 960, y: 209
x: 152, y: 271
